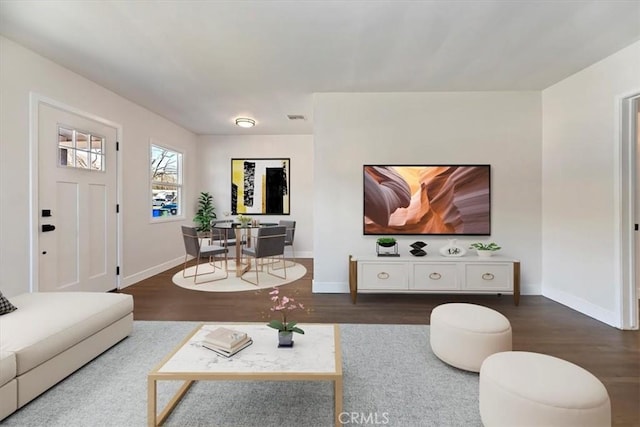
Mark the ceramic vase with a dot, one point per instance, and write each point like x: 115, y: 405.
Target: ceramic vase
x: 452, y: 249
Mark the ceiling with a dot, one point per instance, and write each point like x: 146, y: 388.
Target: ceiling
x: 203, y: 63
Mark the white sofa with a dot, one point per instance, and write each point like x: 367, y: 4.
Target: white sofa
x: 51, y: 335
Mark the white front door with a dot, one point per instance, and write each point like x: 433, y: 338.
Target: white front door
x: 77, y: 182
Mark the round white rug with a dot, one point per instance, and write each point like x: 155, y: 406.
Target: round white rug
x: 234, y: 284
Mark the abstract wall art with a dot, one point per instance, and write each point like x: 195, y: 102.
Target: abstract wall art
x: 260, y: 186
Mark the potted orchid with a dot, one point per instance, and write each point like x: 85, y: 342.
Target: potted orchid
x: 286, y: 328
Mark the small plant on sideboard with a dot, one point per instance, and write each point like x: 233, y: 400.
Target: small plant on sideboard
x: 485, y: 249
x: 386, y: 242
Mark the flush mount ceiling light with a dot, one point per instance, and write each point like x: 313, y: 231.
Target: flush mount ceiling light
x: 244, y: 122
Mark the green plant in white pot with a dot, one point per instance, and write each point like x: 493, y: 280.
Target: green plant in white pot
x: 205, y: 213
x: 386, y: 242
x: 485, y: 249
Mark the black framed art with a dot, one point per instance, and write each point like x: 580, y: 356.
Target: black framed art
x: 260, y: 186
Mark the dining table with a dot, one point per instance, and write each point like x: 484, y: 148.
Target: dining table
x: 229, y: 226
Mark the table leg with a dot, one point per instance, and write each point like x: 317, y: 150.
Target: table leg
x: 174, y: 402
x: 240, y: 268
x: 337, y: 390
x: 238, y: 253
x: 152, y: 409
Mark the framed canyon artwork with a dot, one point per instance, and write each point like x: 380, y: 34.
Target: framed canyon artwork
x: 427, y: 199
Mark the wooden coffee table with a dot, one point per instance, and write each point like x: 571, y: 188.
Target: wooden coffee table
x: 316, y: 356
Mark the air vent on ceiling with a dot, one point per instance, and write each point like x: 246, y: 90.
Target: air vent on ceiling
x: 295, y: 116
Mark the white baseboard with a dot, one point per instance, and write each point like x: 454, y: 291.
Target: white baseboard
x: 135, y: 278
x: 288, y: 253
x: 583, y: 306
x: 530, y: 289
x: 330, y: 287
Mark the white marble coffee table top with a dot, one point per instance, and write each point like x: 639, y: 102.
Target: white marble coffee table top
x: 313, y: 352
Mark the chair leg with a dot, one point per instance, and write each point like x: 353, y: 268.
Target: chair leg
x: 292, y: 264
x: 185, y: 267
x: 257, y: 282
x: 195, y: 275
x: 226, y: 269
x: 284, y: 267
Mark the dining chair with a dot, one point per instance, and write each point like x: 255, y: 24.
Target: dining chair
x: 288, y: 240
x: 194, y: 247
x: 267, y: 245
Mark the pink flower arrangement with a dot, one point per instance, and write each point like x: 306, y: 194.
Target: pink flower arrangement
x: 283, y: 305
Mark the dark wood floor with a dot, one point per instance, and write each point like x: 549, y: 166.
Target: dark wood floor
x: 539, y: 324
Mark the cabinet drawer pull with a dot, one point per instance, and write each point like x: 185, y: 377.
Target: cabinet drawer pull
x: 382, y: 275
x: 435, y: 276
x: 488, y: 276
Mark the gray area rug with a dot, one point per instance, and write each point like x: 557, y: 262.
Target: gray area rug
x: 391, y: 378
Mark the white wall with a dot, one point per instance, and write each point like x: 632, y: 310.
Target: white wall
x: 581, y: 257
x: 148, y: 248
x: 555, y: 186
x: 499, y: 128
x: 215, y: 157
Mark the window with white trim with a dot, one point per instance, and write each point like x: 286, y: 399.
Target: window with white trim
x: 166, y: 182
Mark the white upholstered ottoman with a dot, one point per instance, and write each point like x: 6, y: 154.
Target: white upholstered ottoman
x: 463, y: 335
x: 522, y: 389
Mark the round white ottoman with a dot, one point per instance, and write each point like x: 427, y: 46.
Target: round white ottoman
x: 519, y: 388
x: 463, y: 335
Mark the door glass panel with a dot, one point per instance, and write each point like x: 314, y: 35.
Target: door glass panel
x: 96, y: 161
x: 97, y: 153
x: 82, y: 159
x: 96, y: 143
x: 64, y: 158
x: 65, y: 137
x: 82, y: 141
x: 80, y: 150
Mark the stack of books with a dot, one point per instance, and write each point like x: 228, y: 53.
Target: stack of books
x: 226, y: 342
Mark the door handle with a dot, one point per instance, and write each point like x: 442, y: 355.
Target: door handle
x: 48, y: 227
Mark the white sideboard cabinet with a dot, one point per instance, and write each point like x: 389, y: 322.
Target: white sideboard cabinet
x: 434, y: 274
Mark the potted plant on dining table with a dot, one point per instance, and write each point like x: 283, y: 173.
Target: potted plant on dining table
x: 286, y: 328
x: 244, y: 220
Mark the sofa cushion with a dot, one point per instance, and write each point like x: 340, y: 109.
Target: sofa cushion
x: 7, y: 367
x: 48, y: 323
x: 8, y: 398
x: 5, y: 305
